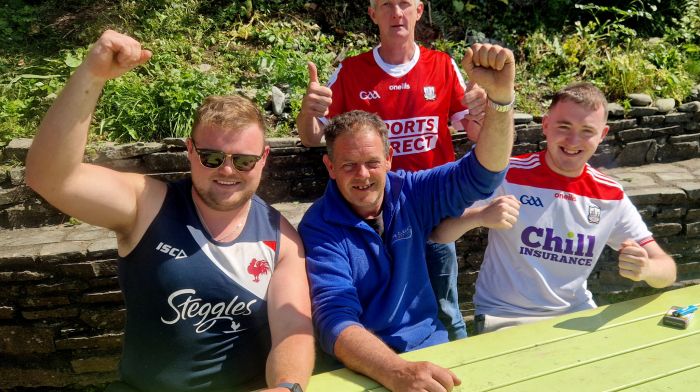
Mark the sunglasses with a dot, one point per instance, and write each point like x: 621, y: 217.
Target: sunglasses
x: 213, y: 159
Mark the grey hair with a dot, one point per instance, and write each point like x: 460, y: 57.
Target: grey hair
x: 373, y: 3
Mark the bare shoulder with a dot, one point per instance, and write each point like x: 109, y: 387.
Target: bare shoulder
x: 149, y: 194
x: 290, y: 241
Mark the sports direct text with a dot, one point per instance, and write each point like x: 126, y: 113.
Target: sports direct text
x: 413, y: 135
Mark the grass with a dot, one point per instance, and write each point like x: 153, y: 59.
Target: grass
x: 204, y: 47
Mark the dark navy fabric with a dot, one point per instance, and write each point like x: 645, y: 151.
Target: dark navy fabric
x: 190, y: 325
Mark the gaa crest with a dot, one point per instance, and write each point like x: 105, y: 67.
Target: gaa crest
x: 593, y: 214
x: 429, y: 93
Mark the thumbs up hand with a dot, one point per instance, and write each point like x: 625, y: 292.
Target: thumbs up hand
x: 317, y: 98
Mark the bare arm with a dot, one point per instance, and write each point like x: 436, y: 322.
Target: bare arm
x: 493, y: 68
x: 314, y: 105
x: 648, y: 263
x: 55, y: 170
x: 501, y: 213
x: 363, y: 352
x: 291, y: 358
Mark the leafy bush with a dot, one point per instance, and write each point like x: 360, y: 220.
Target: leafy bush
x: 604, y: 51
x: 204, y: 47
x: 135, y: 107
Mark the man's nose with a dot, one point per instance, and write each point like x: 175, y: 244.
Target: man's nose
x: 227, y: 167
x: 572, y: 138
x: 362, y: 171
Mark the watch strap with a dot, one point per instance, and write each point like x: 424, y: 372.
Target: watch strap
x: 293, y: 387
x: 502, y: 108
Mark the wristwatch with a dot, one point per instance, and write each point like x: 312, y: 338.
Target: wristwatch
x: 292, y: 387
x: 502, y: 108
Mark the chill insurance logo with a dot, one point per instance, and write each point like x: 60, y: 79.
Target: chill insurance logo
x: 571, y: 248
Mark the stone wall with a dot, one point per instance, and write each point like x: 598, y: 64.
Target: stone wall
x: 61, y: 311
x: 640, y: 136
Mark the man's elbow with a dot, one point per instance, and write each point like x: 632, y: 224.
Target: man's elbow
x: 34, y: 175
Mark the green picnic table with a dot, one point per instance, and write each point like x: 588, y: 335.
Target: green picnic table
x: 619, y: 347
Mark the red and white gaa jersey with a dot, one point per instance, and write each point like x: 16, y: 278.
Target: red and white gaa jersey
x: 540, y: 267
x: 416, y: 100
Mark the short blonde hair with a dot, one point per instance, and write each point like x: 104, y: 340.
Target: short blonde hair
x: 228, y: 111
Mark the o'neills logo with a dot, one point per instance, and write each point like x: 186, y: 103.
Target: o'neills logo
x: 543, y: 244
x: 402, y: 86
x: 565, y: 196
x: 186, y: 307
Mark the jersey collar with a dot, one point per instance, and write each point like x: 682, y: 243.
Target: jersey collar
x: 396, y: 70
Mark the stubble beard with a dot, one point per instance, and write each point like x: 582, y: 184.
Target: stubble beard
x: 212, y: 201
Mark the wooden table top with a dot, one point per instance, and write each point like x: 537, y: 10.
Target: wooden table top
x: 623, y: 346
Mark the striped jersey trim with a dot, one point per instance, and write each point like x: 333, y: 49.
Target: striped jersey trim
x: 531, y: 170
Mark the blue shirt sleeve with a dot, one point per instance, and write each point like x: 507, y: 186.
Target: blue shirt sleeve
x: 446, y: 190
x: 334, y: 298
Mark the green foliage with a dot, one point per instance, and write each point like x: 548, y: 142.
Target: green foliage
x: 204, y: 47
x: 504, y: 20
x: 27, y: 91
x: 17, y: 19
x: 606, y: 52
x: 687, y: 35
x: 136, y: 107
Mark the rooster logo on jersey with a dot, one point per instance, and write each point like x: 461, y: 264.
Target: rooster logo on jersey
x: 257, y: 268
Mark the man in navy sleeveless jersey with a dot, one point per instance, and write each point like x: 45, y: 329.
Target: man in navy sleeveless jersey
x: 537, y: 267
x: 213, y: 278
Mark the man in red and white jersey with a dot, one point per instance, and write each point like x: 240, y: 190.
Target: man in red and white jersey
x: 418, y: 92
x: 538, y: 260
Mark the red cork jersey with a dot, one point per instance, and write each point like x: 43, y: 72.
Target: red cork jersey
x: 417, y: 100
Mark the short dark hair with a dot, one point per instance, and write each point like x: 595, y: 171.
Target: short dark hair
x: 230, y: 111
x: 353, y: 121
x: 582, y: 93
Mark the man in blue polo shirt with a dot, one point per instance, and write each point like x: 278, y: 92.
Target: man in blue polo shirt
x: 365, y: 237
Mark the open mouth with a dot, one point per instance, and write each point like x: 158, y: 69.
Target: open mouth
x: 569, y: 152
x: 362, y: 187
x: 227, y: 183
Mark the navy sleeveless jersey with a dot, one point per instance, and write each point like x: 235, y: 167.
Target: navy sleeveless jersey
x: 196, y: 308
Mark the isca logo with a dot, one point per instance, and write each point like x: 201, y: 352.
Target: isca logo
x: 369, y: 95
x: 531, y: 201
x: 171, y: 251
